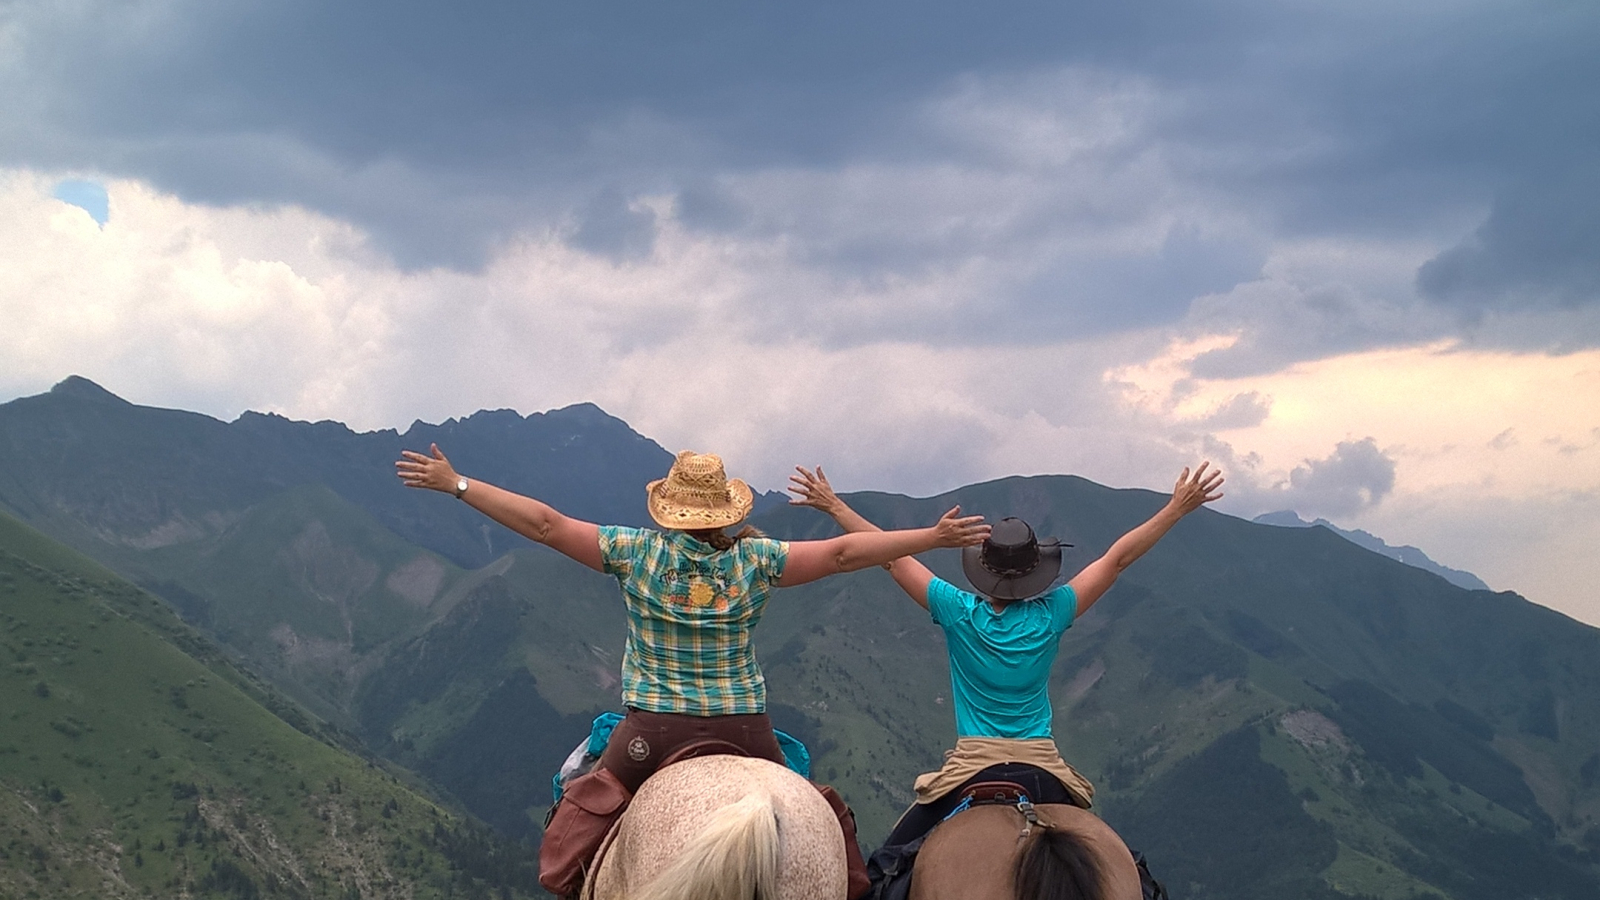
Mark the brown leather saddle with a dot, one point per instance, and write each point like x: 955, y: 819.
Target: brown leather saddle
x: 706, y: 747
x: 988, y: 793
x: 1001, y: 793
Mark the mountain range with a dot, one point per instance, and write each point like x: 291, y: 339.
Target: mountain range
x: 1266, y: 711
x: 1407, y: 554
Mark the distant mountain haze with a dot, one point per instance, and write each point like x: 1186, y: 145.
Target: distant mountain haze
x: 1266, y: 711
x: 1409, y: 555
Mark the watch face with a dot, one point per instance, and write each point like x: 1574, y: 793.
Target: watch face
x: 461, y: 487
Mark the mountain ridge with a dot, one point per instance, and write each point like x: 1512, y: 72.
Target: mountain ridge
x: 1407, y: 554
x: 619, y: 506
x: 1393, y: 706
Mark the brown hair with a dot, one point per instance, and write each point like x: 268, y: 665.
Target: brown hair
x: 1059, y: 865
x: 720, y: 540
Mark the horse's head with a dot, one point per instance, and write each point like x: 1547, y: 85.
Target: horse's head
x: 724, y: 827
x: 992, y: 853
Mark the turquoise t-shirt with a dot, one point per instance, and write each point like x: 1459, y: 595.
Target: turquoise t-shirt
x: 1000, y: 662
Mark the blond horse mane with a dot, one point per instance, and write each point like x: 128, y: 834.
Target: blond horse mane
x: 723, y: 828
x: 734, y: 858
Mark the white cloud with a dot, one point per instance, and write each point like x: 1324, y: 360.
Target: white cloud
x: 1495, y: 454
x: 716, y: 342
x: 166, y: 299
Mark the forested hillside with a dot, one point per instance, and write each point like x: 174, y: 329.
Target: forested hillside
x: 137, y: 761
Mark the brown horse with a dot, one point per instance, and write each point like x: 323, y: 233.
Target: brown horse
x: 723, y: 828
x: 995, y: 853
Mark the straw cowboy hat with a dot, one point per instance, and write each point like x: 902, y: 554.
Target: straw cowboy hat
x: 698, y: 494
x: 1012, y: 564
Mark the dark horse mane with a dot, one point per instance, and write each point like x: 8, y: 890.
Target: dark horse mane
x: 1058, y: 865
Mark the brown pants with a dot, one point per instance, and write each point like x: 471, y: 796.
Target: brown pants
x: 637, y: 746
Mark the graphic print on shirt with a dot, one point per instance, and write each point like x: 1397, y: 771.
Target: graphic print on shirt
x: 698, y: 589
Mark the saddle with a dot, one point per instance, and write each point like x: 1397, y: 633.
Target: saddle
x: 989, y: 793
x: 583, y: 757
x: 707, y: 747
x: 1000, y: 793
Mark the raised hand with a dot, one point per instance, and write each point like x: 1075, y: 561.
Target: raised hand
x: 432, y: 472
x: 812, y: 489
x: 955, y: 531
x: 1193, y: 491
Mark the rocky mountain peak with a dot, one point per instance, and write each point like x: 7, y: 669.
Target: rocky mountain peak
x: 82, y: 388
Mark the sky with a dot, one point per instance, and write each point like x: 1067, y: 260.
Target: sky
x: 1349, y: 252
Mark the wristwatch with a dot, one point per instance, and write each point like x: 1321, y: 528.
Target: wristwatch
x: 461, y: 487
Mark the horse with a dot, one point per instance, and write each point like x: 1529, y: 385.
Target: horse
x: 723, y: 828
x: 994, y: 852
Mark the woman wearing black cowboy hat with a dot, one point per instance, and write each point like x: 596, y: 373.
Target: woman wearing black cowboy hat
x: 1002, y: 642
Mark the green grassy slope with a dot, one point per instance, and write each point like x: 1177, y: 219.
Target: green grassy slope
x: 307, y: 587
x: 129, y: 768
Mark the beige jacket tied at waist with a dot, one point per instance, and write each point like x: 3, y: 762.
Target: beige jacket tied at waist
x: 974, y: 754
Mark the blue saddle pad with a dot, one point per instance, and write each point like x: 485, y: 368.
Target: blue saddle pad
x: 795, y: 754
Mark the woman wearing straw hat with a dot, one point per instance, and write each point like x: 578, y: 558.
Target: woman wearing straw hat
x: 1002, y: 642
x: 693, y: 593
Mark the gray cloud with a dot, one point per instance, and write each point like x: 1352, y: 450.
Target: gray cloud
x: 610, y: 227
x: 1539, y: 249
x: 445, y: 131
x: 1309, y: 315
x: 1356, y: 476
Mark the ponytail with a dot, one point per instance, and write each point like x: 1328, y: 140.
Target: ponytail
x: 720, y: 540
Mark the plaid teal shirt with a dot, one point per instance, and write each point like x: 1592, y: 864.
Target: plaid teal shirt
x: 690, y: 611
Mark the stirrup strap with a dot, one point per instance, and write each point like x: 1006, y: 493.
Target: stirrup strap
x: 1031, y: 815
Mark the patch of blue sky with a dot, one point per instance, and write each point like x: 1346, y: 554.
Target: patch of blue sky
x: 90, y: 196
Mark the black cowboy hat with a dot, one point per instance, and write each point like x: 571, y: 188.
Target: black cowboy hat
x: 1012, y: 564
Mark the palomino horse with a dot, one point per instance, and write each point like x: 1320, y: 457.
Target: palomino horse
x: 995, y: 853
x: 723, y: 828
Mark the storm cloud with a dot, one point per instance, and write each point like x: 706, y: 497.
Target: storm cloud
x: 1095, y: 167
x: 1540, y: 248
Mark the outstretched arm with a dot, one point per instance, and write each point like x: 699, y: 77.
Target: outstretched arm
x: 1188, y: 495
x: 812, y: 489
x: 526, y: 516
